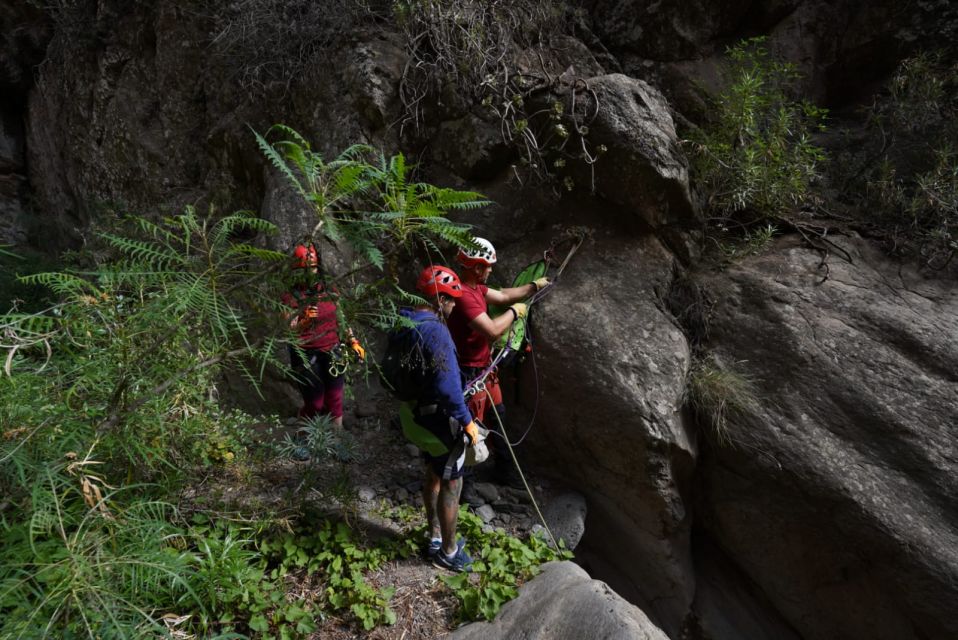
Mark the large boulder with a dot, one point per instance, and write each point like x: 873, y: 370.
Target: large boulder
x: 644, y: 170
x: 837, y: 494
x: 612, y: 367
x: 564, y: 603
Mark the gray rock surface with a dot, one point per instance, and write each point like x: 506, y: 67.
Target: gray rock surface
x: 613, y: 366
x: 486, y: 512
x: 488, y: 491
x: 837, y: 496
x: 566, y: 515
x: 564, y: 603
x: 643, y: 170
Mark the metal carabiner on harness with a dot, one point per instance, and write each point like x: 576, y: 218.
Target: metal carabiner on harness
x: 338, y: 361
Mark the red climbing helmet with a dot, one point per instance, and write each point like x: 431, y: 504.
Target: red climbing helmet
x: 484, y: 254
x: 435, y: 280
x: 304, y: 256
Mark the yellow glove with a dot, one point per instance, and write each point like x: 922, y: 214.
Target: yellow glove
x: 519, y: 309
x: 541, y: 283
x: 358, y: 348
x: 472, y: 432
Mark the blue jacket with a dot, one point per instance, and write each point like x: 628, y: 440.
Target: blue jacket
x: 445, y: 384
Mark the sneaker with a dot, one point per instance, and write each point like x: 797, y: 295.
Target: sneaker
x: 433, y: 548
x: 460, y: 562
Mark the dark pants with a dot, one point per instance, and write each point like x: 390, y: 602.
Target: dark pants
x: 322, y: 392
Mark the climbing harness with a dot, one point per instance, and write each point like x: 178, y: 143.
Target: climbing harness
x: 338, y: 360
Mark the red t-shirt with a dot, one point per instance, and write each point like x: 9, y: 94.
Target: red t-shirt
x: 321, y: 332
x: 472, y: 347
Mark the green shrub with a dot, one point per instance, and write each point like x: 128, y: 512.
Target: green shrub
x: 905, y: 182
x: 756, y: 158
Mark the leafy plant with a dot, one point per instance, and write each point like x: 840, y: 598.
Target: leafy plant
x: 752, y: 242
x: 502, y: 563
x: 756, y: 159
x: 333, y: 554
x: 908, y: 187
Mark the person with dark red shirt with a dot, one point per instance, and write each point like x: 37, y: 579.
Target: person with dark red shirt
x: 473, y: 330
x: 313, y: 316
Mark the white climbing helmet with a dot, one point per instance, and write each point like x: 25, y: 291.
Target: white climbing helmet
x: 484, y: 254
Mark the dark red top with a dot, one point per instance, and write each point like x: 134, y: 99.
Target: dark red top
x: 322, y: 331
x: 472, y: 346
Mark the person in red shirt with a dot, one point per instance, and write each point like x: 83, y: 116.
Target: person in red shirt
x: 313, y: 316
x: 473, y: 330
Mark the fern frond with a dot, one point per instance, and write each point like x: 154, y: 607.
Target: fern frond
x: 277, y: 160
x: 64, y: 284
x: 157, y: 257
x: 248, y: 250
x: 291, y: 134
x: 240, y: 220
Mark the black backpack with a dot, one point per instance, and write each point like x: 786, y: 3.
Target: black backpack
x: 403, y: 370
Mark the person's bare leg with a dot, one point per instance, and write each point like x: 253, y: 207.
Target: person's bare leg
x: 448, y: 509
x: 430, y: 499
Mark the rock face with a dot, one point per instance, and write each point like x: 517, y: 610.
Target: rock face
x: 841, y: 47
x: 13, y: 223
x: 837, y: 496
x: 612, y: 370
x: 561, y: 603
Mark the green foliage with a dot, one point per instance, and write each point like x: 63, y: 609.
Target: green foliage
x: 757, y: 157
x: 108, y: 407
x: 718, y: 395
x: 908, y: 186
x: 332, y: 553
x: 751, y: 242
x: 367, y: 199
x: 84, y: 564
x: 233, y: 578
x: 502, y: 563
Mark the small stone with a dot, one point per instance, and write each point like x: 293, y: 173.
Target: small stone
x: 401, y: 495
x: 566, y: 515
x: 412, y: 450
x: 488, y: 491
x: 486, y: 512
x: 366, y: 494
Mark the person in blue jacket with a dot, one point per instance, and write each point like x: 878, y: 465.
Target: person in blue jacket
x: 441, y: 411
